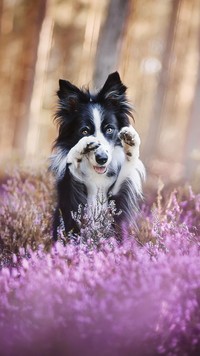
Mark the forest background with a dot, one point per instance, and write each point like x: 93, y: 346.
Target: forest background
x: 155, y: 46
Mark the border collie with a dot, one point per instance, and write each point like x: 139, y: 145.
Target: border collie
x: 96, y: 153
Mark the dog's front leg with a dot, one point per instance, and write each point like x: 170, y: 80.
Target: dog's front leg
x: 131, y: 142
x: 127, y: 191
x: 132, y: 168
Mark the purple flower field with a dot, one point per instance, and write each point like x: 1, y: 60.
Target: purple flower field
x: 137, y: 297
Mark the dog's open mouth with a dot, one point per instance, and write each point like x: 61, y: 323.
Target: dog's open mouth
x: 100, y: 170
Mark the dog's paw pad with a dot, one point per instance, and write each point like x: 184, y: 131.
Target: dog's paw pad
x: 91, y: 147
x: 129, y: 136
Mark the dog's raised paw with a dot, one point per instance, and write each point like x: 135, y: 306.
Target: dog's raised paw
x: 86, y: 144
x: 83, y: 147
x: 129, y: 136
x: 91, y: 146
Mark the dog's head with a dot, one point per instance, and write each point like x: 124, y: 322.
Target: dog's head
x: 101, y: 115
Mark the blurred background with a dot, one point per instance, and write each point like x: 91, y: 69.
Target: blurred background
x: 155, y: 46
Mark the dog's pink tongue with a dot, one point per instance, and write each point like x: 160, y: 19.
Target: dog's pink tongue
x: 100, y: 170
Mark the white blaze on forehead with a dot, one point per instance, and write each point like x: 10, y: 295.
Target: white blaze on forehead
x: 97, y: 119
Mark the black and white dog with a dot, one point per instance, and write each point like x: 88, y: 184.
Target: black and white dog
x: 96, y: 152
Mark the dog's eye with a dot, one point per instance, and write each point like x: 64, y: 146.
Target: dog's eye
x: 109, y: 130
x: 85, y: 131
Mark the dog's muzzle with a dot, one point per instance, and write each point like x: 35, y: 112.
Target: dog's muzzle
x: 101, y: 158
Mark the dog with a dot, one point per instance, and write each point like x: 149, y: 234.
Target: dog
x: 96, y: 153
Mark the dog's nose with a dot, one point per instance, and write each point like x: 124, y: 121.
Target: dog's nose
x: 101, y: 158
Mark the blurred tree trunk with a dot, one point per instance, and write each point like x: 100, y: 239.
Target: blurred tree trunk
x: 192, y: 154
x: 1, y: 10
x: 110, y: 39
x: 163, y: 81
x: 23, y: 86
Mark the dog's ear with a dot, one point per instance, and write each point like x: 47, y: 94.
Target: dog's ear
x: 113, y: 88
x: 69, y: 95
x: 113, y: 95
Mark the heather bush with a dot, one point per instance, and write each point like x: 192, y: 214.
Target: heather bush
x: 27, y: 201
x: 99, y: 297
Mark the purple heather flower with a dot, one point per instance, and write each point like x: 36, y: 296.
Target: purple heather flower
x: 99, y: 297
